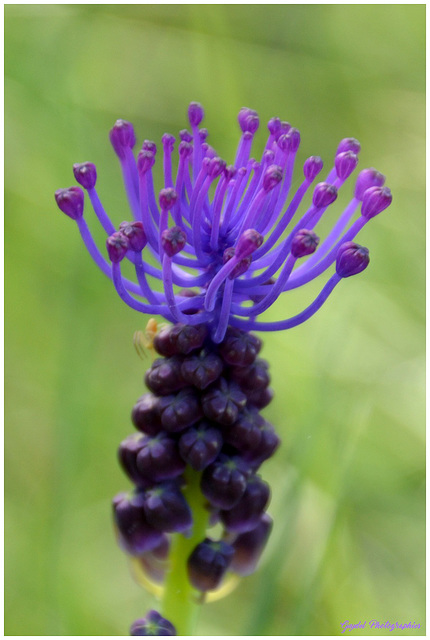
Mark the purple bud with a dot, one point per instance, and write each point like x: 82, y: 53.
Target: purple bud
x: 149, y: 145
x: 158, y: 458
x: 294, y: 139
x: 208, y: 564
x: 348, y: 144
x: 203, y: 134
x: 268, y: 156
x: 185, y: 135
x: 185, y: 149
x: 122, y: 136
x: 324, y: 194
x: 71, y: 202
x: 312, y: 167
x: 304, y: 243
x: 249, y: 241
x: 249, y: 546
x: 262, y: 398
x: 245, y: 434
x: 168, y: 141
x: 345, y: 164
x: 216, y: 167
x: 284, y: 142
x: 180, y: 339
x: 274, y: 126
x: 164, y: 376
x: 365, y: 180
x: 127, y: 455
x: 253, y: 437
x: 247, y: 512
x: 195, y: 114
x: 199, y: 446
x: 241, y: 267
x: 230, y: 172
x: 223, y: 401
x: 180, y: 411
x: 248, y: 120
x: 145, y: 161
x: 152, y: 625
x: 135, y: 234
x: 85, y: 174
x: 223, y: 482
x: 167, y: 198
x: 201, y: 370
x: 252, y: 378
x: 136, y: 535
x: 285, y: 126
x: 166, y: 508
x: 117, y: 246
x: 351, y: 259
x: 272, y: 177
x: 239, y: 348
x: 375, y: 200
x: 146, y: 414
x: 173, y: 240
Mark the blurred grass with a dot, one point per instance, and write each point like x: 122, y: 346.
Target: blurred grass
x: 348, y: 483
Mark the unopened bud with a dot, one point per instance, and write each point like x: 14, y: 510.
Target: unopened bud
x: 173, y: 240
x: 375, y: 200
x: 70, y: 201
x: 167, y: 198
x: 122, y: 136
x: 248, y: 120
x: 324, y: 195
x: 304, y: 243
x: 351, y: 259
x: 365, y: 180
x: 135, y: 234
x: 249, y: 241
x: 85, y: 174
x: 349, y: 144
x: 272, y: 177
x: 195, y: 113
x: 345, y: 164
x: 145, y: 161
x: 312, y: 167
x: 117, y: 246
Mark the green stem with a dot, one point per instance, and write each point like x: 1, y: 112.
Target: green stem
x: 180, y: 600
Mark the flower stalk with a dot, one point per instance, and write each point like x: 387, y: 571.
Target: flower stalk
x: 180, y: 601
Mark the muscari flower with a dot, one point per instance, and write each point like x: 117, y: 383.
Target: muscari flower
x: 229, y: 239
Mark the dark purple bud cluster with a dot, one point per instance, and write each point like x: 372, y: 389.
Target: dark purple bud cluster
x: 202, y: 413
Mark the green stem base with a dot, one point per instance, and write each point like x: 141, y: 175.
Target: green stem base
x: 181, y: 602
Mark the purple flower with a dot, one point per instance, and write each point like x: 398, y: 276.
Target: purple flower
x: 152, y: 625
x: 208, y: 563
x: 222, y: 232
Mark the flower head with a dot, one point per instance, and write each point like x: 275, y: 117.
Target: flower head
x: 227, y: 238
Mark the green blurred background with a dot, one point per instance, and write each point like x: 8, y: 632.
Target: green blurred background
x: 348, y: 482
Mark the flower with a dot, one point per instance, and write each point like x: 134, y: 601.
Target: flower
x: 222, y: 233
x: 152, y: 625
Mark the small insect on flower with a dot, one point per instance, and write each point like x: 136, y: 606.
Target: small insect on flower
x: 143, y: 341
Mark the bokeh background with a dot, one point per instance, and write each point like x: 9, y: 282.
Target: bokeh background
x: 348, y: 482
